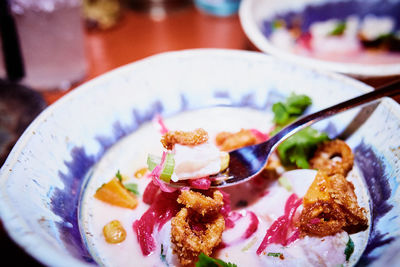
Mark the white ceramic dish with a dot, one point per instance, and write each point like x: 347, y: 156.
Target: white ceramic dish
x: 42, y: 180
x: 253, y: 13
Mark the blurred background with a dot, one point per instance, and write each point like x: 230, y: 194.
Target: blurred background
x: 49, y: 47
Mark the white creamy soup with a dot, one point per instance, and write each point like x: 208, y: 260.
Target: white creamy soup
x: 254, y: 201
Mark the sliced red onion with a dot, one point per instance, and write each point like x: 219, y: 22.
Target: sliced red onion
x: 150, y: 193
x: 163, y: 208
x: 163, y: 129
x: 155, y: 175
x: 252, y: 228
x: 200, y: 183
x: 261, y: 137
x: 279, y: 231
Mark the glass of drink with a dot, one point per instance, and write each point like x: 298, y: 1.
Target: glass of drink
x: 52, y: 42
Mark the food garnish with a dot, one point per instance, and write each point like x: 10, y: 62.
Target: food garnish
x: 332, y: 201
x: 197, y: 227
x: 141, y: 172
x: 339, y: 28
x: 282, y: 230
x: 119, y: 176
x: 294, y: 106
x: 115, y: 193
x: 161, y: 210
x: 283, y: 181
x: 114, y: 232
x: 206, y: 261
x: 274, y: 254
x: 298, y: 148
x: 191, y: 138
x: 132, y: 187
x: 349, y: 249
x: 333, y: 157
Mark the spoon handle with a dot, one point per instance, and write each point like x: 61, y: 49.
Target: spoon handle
x: 305, y: 121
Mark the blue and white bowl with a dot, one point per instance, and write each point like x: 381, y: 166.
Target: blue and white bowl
x: 42, y: 180
x: 257, y: 15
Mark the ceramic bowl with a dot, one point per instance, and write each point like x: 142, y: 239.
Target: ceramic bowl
x: 256, y: 17
x: 42, y: 180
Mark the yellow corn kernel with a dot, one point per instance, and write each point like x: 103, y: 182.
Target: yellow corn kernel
x: 141, y: 172
x: 114, y: 232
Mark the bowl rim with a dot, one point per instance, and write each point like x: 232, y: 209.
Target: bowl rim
x: 12, y: 221
x: 253, y: 32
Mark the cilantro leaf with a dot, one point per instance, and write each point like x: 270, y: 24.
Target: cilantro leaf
x: 294, y: 106
x: 273, y: 254
x: 163, y: 257
x: 132, y: 187
x: 297, y: 148
x: 206, y: 261
x: 339, y: 29
x: 119, y: 176
x: 349, y: 248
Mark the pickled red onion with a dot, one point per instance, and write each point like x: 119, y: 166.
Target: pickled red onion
x: 280, y: 228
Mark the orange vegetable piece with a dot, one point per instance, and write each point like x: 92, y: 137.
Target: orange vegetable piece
x: 318, y: 189
x: 116, y: 194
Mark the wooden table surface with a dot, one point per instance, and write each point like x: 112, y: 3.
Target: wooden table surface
x: 137, y: 36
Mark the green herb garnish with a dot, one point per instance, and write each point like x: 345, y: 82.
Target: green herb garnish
x: 349, y: 248
x: 284, y: 182
x: 119, y: 176
x: 339, y: 29
x: 206, y: 261
x: 277, y: 24
x: 294, y: 106
x: 152, y: 161
x: 272, y: 254
x: 163, y: 256
x: 132, y: 187
x: 297, y: 148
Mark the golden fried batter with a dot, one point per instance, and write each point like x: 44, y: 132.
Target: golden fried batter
x: 326, y: 154
x: 330, y: 206
x: 198, y: 226
x: 230, y: 141
x: 200, y: 203
x: 196, y: 137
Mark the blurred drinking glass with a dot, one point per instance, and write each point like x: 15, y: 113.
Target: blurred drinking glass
x: 51, y: 39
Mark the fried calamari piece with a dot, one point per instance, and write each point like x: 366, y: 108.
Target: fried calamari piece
x: 189, y: 243
x: 330, y: 206
x: 229, y: 141
x: 333, y: 157
x: 200, y: 203
x: 192, y: 138
x: 198, y: 226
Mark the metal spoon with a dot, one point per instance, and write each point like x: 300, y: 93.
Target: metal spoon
x: 247, y: 162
